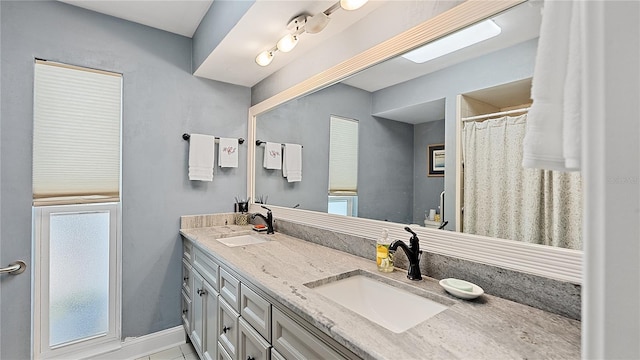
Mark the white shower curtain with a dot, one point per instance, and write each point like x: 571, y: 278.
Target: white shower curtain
x: 504, y: 200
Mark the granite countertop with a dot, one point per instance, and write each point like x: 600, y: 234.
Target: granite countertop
x: 484, y: 328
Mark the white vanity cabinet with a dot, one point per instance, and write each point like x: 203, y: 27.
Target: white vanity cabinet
x: 204, y: 305
x: 293, y: 341
x: 228, y: 327
x: 251, y: 345
x: 187, y: 288
x: 228, y: 318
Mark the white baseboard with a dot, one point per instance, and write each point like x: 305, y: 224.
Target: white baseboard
x: 133, y: 348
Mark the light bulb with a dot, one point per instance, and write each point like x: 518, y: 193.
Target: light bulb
x: 352, y: 4
x: 264, y: 58
x: 287, y: 43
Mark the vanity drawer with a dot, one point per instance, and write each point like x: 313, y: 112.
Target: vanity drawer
x: 250, y: 344
x: 187, y: 277
x: 206, y: 267
x: 295, y: 342
x: 222, y: 353
x: 275, y: 355
x: 256, y: 311
x: 186, y: 312
x: 187, y: 251
x: 227, y: 327
x: 230, y: 289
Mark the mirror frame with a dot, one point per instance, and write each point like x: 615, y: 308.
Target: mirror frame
x: 546, y: 261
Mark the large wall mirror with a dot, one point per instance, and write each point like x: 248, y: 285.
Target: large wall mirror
x: 407, y: 113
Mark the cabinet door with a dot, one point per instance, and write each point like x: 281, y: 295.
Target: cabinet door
x: 198, y: 311
x: 256, y: 311
x: 227, y: 327
x: 210, y: 345
x: 295, y: 342
x: 251, y: 346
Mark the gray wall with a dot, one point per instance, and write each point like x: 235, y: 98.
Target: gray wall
x: 426, y: 190
x: 306, y: 121
x: 221, y: 17
x: 161, y: 100
x: 503, y: 66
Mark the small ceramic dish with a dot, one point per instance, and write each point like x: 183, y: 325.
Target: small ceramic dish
x: 259, y: 228
x: 462, y: 289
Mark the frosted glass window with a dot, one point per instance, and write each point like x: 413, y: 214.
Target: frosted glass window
x: 343, y: 205
x: 78, y: 276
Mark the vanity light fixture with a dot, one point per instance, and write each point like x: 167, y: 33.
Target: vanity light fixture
x: 352, y: 4
x: 466, y: 37
x: 309, y: 24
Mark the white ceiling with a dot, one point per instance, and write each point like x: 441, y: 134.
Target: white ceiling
x: 233, y: 60
x: 177, y: 16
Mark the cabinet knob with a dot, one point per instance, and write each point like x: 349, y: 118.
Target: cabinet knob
x: 185, y: 278
x: 250, y: 358
x: 225, y: 329
x: 202, y: 292
x: 185, y: 311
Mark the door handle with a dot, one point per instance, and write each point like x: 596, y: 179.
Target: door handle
x: 15, y: 268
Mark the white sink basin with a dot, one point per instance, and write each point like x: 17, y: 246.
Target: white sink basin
x: 391, y: 307
x: 241, y: 240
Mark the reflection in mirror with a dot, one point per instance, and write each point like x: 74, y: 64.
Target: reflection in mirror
x: 402, y: 108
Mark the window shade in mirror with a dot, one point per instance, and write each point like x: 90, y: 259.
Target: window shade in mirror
x: 76, y: 136
x: 343, y: 156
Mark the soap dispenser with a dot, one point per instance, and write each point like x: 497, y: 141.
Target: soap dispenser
x: 384, y: 258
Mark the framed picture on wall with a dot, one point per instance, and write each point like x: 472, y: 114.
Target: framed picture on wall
x: 435, y: 160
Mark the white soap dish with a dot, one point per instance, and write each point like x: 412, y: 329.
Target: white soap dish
x: 462, y: 289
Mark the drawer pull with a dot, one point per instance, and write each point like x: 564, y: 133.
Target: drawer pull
x: 185, y: 278
x: 250, y: 358
x: 185, y: 311
x: 225, y: 329
x: 202, y: 292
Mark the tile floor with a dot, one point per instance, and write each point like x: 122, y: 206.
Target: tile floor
x: 182, y: 352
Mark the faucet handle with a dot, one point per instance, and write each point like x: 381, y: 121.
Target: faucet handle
x: 264, y: 207
x: 409, y: 230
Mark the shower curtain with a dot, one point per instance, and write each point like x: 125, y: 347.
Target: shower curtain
x: 504, y: 200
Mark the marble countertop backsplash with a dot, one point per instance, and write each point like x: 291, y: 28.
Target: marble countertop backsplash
x: 488, y: 327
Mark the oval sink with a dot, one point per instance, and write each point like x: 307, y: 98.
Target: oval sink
x: 389, y: 306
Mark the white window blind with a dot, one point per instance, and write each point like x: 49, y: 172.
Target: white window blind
x: 76, y: 140
x: 343, y: 156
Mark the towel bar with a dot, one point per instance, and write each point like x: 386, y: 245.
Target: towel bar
x: 186, y: 136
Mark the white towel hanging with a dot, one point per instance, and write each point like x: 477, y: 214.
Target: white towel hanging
x: 292, y: 163
x: 228, y: 152
x: 552, y: 138
x: 201, y: 155
x: 272, y: 156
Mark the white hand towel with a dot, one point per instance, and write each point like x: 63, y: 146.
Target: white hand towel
x: 228, y: 152
x: 292, y: 163
x: 272, y: 156
x: 201, y: 155
x: 552, y: 137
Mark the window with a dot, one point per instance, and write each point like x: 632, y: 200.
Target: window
x: 343, y: 166
x: 76, y: 199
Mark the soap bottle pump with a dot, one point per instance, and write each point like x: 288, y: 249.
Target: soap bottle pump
x: 384, y: 258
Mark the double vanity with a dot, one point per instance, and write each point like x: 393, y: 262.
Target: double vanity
x: 248, y: 295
